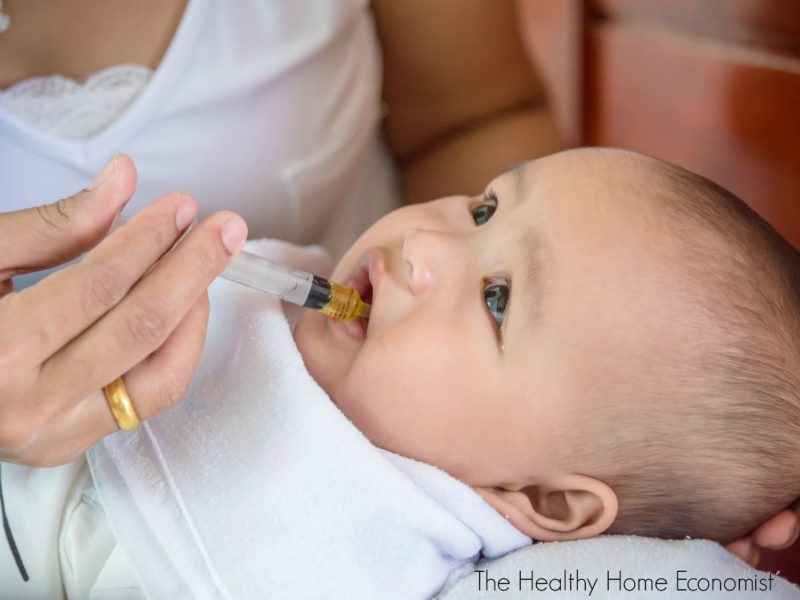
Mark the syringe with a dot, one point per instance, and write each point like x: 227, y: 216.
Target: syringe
x: 292, y: 285
x: 296, y: 286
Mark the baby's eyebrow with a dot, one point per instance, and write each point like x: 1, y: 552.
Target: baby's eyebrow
x: 517, y: 170
x: 533, y: 280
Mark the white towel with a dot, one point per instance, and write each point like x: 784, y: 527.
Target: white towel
x: 257, y: 486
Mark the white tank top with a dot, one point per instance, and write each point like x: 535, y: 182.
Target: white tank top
x: 265, y: 107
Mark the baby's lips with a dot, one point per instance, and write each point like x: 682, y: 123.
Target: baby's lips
x: 376, y: 270
x: 365, y: 279
x: 363, y: 276
x: 355, y: 329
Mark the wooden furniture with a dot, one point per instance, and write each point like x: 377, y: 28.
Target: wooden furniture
x: 711, y: 85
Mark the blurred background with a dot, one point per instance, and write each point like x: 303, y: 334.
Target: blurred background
x: 472, y: 86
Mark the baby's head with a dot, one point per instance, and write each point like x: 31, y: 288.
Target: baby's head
x: 601, y: 342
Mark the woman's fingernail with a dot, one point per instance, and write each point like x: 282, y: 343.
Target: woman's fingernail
x: 104, y: 173
x: 185, y: 214
x: 234, y: 232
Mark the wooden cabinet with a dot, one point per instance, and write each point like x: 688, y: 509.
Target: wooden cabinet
x: 711, y: 85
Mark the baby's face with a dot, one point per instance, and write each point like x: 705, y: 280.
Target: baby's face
x: 492, y: 317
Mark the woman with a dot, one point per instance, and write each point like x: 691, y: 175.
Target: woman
x: 264, y: 108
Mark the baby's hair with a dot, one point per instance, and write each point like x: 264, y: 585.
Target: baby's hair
x: 715, y: 450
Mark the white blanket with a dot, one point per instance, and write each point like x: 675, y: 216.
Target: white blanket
x: 256, y: 486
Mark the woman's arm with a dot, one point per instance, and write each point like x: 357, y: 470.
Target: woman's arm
x: 463, y: 101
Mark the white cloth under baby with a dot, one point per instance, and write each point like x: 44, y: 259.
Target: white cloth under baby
x: 257, y: 486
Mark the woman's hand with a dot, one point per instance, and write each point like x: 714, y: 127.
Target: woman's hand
x: 119, y: 311
x: 776, y: 533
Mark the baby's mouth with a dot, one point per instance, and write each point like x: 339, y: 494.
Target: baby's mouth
x: 363, y: 285
x: 360, y: 282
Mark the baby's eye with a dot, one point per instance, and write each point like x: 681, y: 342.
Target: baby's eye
x: 484, y: 211
x: 496, y: 294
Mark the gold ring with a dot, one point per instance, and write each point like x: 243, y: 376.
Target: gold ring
x: 119, y: 401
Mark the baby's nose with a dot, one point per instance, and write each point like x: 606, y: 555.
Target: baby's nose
x: 426, y: 255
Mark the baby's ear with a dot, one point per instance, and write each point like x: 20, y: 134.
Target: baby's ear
x: 570, y: 508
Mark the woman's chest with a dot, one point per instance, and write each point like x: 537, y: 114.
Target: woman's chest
x: 80, y: 37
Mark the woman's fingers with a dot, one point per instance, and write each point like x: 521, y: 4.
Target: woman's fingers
x: 47, y: 235
x: 144, y: 319
x: 153, y: 385
x: 745, y: 549
x: 163, y: 378
x: 71, y: 300
x: 742, y: 548
x: 777, y: 533
x: 127, y: 306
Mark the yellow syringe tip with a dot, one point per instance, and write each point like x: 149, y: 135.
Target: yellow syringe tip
x: 345, y: 304
x: 364, y: 310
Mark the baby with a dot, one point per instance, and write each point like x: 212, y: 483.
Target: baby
x: 601, y: 342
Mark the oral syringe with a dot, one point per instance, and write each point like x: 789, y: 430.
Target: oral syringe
x: 296, y: 286
x: 292, y: 285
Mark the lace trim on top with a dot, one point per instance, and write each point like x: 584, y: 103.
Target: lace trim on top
x: 67, y: 108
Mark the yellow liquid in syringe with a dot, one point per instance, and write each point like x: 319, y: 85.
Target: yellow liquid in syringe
x: 345, y: 304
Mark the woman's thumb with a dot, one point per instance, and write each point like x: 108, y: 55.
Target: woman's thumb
x: 47, y: 235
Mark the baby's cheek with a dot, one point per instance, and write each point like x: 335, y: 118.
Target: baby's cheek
x: 368, y: 401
